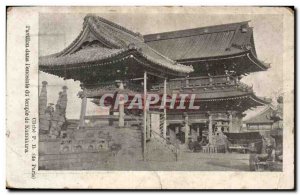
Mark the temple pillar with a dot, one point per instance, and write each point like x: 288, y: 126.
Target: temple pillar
x: 210, y: 130
x: 121, y: 107
x: 148, y: 130
x: 197, y: 132
x: 121, y: 114
x: 83, y: 109
x: 145, y: 116
x: 186, y: 128
x: 230, y: 122
x: 110, y: 120
x: 165, y: 109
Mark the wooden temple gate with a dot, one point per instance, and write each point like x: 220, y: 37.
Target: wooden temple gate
x: 116, y: 61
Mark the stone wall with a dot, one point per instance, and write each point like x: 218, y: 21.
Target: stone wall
x: 98, y: 147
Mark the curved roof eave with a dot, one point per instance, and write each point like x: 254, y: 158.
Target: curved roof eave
x: 122, y: 54
x: 253, y: 59
x: 89, y: 24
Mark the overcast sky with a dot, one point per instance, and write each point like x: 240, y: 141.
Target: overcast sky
x: 57, y: 31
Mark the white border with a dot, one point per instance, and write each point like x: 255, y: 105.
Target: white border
x: 97, y: 2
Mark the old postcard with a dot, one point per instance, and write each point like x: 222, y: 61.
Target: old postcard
x: 150, y: 97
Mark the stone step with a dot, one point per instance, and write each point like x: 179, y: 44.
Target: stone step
x: 158, y: 151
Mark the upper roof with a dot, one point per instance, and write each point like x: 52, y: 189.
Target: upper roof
x: 262, y: 117
x: 211, y: 49
x: 100, y: 40
x: 211, y: 41
x: 226, y: 44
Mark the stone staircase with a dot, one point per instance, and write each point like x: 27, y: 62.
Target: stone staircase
x: 160, y: 149
x: 157, y: 147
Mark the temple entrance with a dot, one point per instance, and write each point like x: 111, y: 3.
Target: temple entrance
x: 199, y: 132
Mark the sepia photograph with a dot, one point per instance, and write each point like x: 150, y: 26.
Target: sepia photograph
x: 141, y: 97
x: 134, y: 92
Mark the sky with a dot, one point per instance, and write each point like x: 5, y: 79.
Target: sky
x: 57, y: 31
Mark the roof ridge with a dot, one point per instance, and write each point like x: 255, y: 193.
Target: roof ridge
x: 199, y: 28
x: 88, y: 16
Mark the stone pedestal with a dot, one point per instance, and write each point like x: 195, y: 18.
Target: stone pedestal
x: 83, y: 109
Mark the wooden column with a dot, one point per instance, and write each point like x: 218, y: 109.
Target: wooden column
x: 121, y: 107
x: 165, y: 109
x: 148, y: 127
x: 210, y: 129
x: 145, y: 116
x: 83, y: 109
x: 110, y: 120
x: 230, y: 122
x: 121, y: 114
x: 186, y: 128
x: 198, y: 132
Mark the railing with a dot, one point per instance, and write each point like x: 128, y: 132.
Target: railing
x: 132, y: 116
x: 202, y: 82
x: 101, y: 85
x: 113, y: 85
x: 160, y: 138
x: 134, y: 86
x: 172, y: 147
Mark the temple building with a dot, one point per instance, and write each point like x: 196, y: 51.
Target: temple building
x: 208, y: 62
x: 220, y: 55
x: 261, y: 122
x: 269, y: 123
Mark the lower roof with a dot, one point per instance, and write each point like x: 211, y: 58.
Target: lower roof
x: 262, y: 117
x: 101, y: 41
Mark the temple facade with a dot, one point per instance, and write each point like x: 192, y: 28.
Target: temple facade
x: 208, y: 62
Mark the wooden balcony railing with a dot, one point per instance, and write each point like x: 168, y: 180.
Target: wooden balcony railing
x: 203, y: 82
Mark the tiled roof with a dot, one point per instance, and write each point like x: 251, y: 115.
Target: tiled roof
x: 262, y: 117
x: 114, y: 40
x: 204, y: 42
x: 92, y: 54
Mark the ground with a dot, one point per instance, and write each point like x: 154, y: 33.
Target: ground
x: 129, y: 157
x: 186, y: 162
